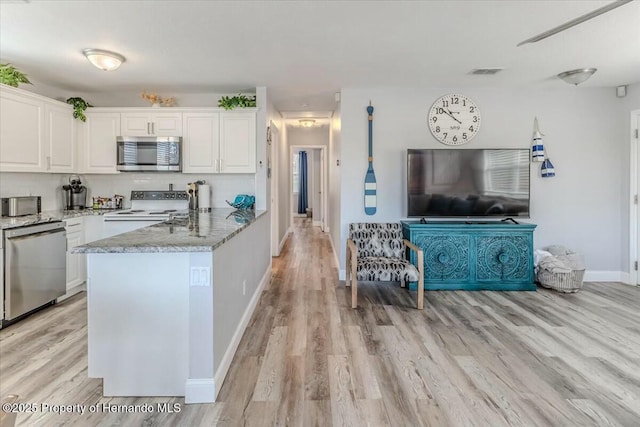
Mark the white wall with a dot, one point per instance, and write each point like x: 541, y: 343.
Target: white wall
x: 49, y: 186
x: 584, y: 134
x: 314, y: 193
x: 283, y: 176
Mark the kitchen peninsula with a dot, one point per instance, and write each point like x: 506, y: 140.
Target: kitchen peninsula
x: 168, y: 303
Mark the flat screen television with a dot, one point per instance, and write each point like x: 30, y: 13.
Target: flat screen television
x: 468, y: 183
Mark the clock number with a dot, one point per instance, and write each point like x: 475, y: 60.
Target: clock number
x: 472, y: 109
x: 464, y: 135
x: 471, y: 128
x: 438, y: 129
x: 475, y: 119
x: 455, y: 138
x: 439, y: 110
x: 445, y: 103
x: 435, y: 119
x: 455, y: 101
x: 445, y: 135
x: 464, y: 103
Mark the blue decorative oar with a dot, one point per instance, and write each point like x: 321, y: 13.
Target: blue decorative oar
x: 370, y: 185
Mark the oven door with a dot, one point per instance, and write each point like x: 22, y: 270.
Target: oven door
x: 149, y: 154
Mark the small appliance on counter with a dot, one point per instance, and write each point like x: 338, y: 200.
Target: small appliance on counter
x: 75, y: 194
x: 19, y: 206
x: 114, y: 202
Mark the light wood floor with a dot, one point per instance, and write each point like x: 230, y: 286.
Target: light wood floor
x: 307, y: 358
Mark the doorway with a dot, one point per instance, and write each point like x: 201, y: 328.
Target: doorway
x: 316, y: 184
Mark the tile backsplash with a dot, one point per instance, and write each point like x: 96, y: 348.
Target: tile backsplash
x: 49, y: 186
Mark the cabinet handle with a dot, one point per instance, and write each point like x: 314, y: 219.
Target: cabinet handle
x: 153, y: 128
x: 48, y: 163
x: 221, y: 164
x: 148, y: 128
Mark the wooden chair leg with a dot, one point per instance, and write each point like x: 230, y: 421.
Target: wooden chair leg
x: 354, y: 285
x: 348, y: 269
x: 420, y: 281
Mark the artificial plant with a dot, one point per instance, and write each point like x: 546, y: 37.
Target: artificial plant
x: 239, y: 101
x: 79, y: 105
x: 11, y: 76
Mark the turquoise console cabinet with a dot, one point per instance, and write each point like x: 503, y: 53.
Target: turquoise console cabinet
x: 490, y: 255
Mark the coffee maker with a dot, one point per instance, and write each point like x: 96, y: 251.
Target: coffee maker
x: 75, y: 194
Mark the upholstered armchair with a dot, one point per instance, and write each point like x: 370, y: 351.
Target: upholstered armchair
x: 377, y: 252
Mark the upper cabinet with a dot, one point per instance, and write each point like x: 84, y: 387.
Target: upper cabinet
x: 151, y: 123
x: 238, y: 142
x: 219, y: 142
x: 21, y: 131
x: 201, y: 142
x: 61, y: 138
x: 37, y: 134
x: 98, y: 142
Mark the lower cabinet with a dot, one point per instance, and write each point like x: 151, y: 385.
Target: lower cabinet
x: 490, y: 255
x: 76, y: 263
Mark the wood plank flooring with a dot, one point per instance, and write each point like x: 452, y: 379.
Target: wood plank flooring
x: 308, y: 359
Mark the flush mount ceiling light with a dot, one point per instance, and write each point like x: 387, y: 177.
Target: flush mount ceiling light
x: 307, y: 123
x: 104, y: 59
x: 575, y: 77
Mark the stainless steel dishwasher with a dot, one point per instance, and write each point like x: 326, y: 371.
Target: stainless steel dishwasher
x: 35, y: 267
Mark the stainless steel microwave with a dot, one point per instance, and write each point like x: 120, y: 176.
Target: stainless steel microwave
x: 149, y: 153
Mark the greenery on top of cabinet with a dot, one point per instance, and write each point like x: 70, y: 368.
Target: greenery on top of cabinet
x: 239, y: 101
x: 79, y: 105
x: 11, y: 76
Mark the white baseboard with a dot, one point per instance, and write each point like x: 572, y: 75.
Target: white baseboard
x: 200, y: 390
x: 71, y: 292
x: 283, y: 241
x: 605, y: 276
x: 335, y: 253
x: 225, y: 363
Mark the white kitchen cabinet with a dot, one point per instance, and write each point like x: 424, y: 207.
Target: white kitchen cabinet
x: 97, y: 140
x: 219, y: 142
x: 151, y: 123
x: 38, y: 134
x: 61, y: 150
x: 76, y: 263
x: 22, y: 131
x: 201, y: 142
x: 237, y: 142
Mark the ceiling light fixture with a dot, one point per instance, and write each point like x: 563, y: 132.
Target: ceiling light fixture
x: 575, y: 77
x: 307, y: 123
x: 104, y: 59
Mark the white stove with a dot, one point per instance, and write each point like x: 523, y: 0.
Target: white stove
x: 152, y: 206
x: 147, y: 208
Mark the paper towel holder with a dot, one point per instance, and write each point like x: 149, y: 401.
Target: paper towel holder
x: 204, y: 197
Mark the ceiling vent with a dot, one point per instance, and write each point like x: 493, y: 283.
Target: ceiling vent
x: 486, y: 71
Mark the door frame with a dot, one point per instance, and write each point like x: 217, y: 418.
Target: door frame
x: 634, y: 211
x: 272, y: 168
x: 323, y: 182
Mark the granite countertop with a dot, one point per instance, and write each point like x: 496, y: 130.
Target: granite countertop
x: 200, y: 232
x: 47, y: 216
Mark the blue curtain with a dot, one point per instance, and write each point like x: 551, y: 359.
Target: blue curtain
x: 302, y: 177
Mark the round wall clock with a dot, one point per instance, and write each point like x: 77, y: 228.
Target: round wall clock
x: 454, y: 119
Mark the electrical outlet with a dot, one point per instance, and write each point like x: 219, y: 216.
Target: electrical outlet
x: 200, y: 276
x: 244, y: 287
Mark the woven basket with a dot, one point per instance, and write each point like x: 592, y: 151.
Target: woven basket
x: 561, y: 282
